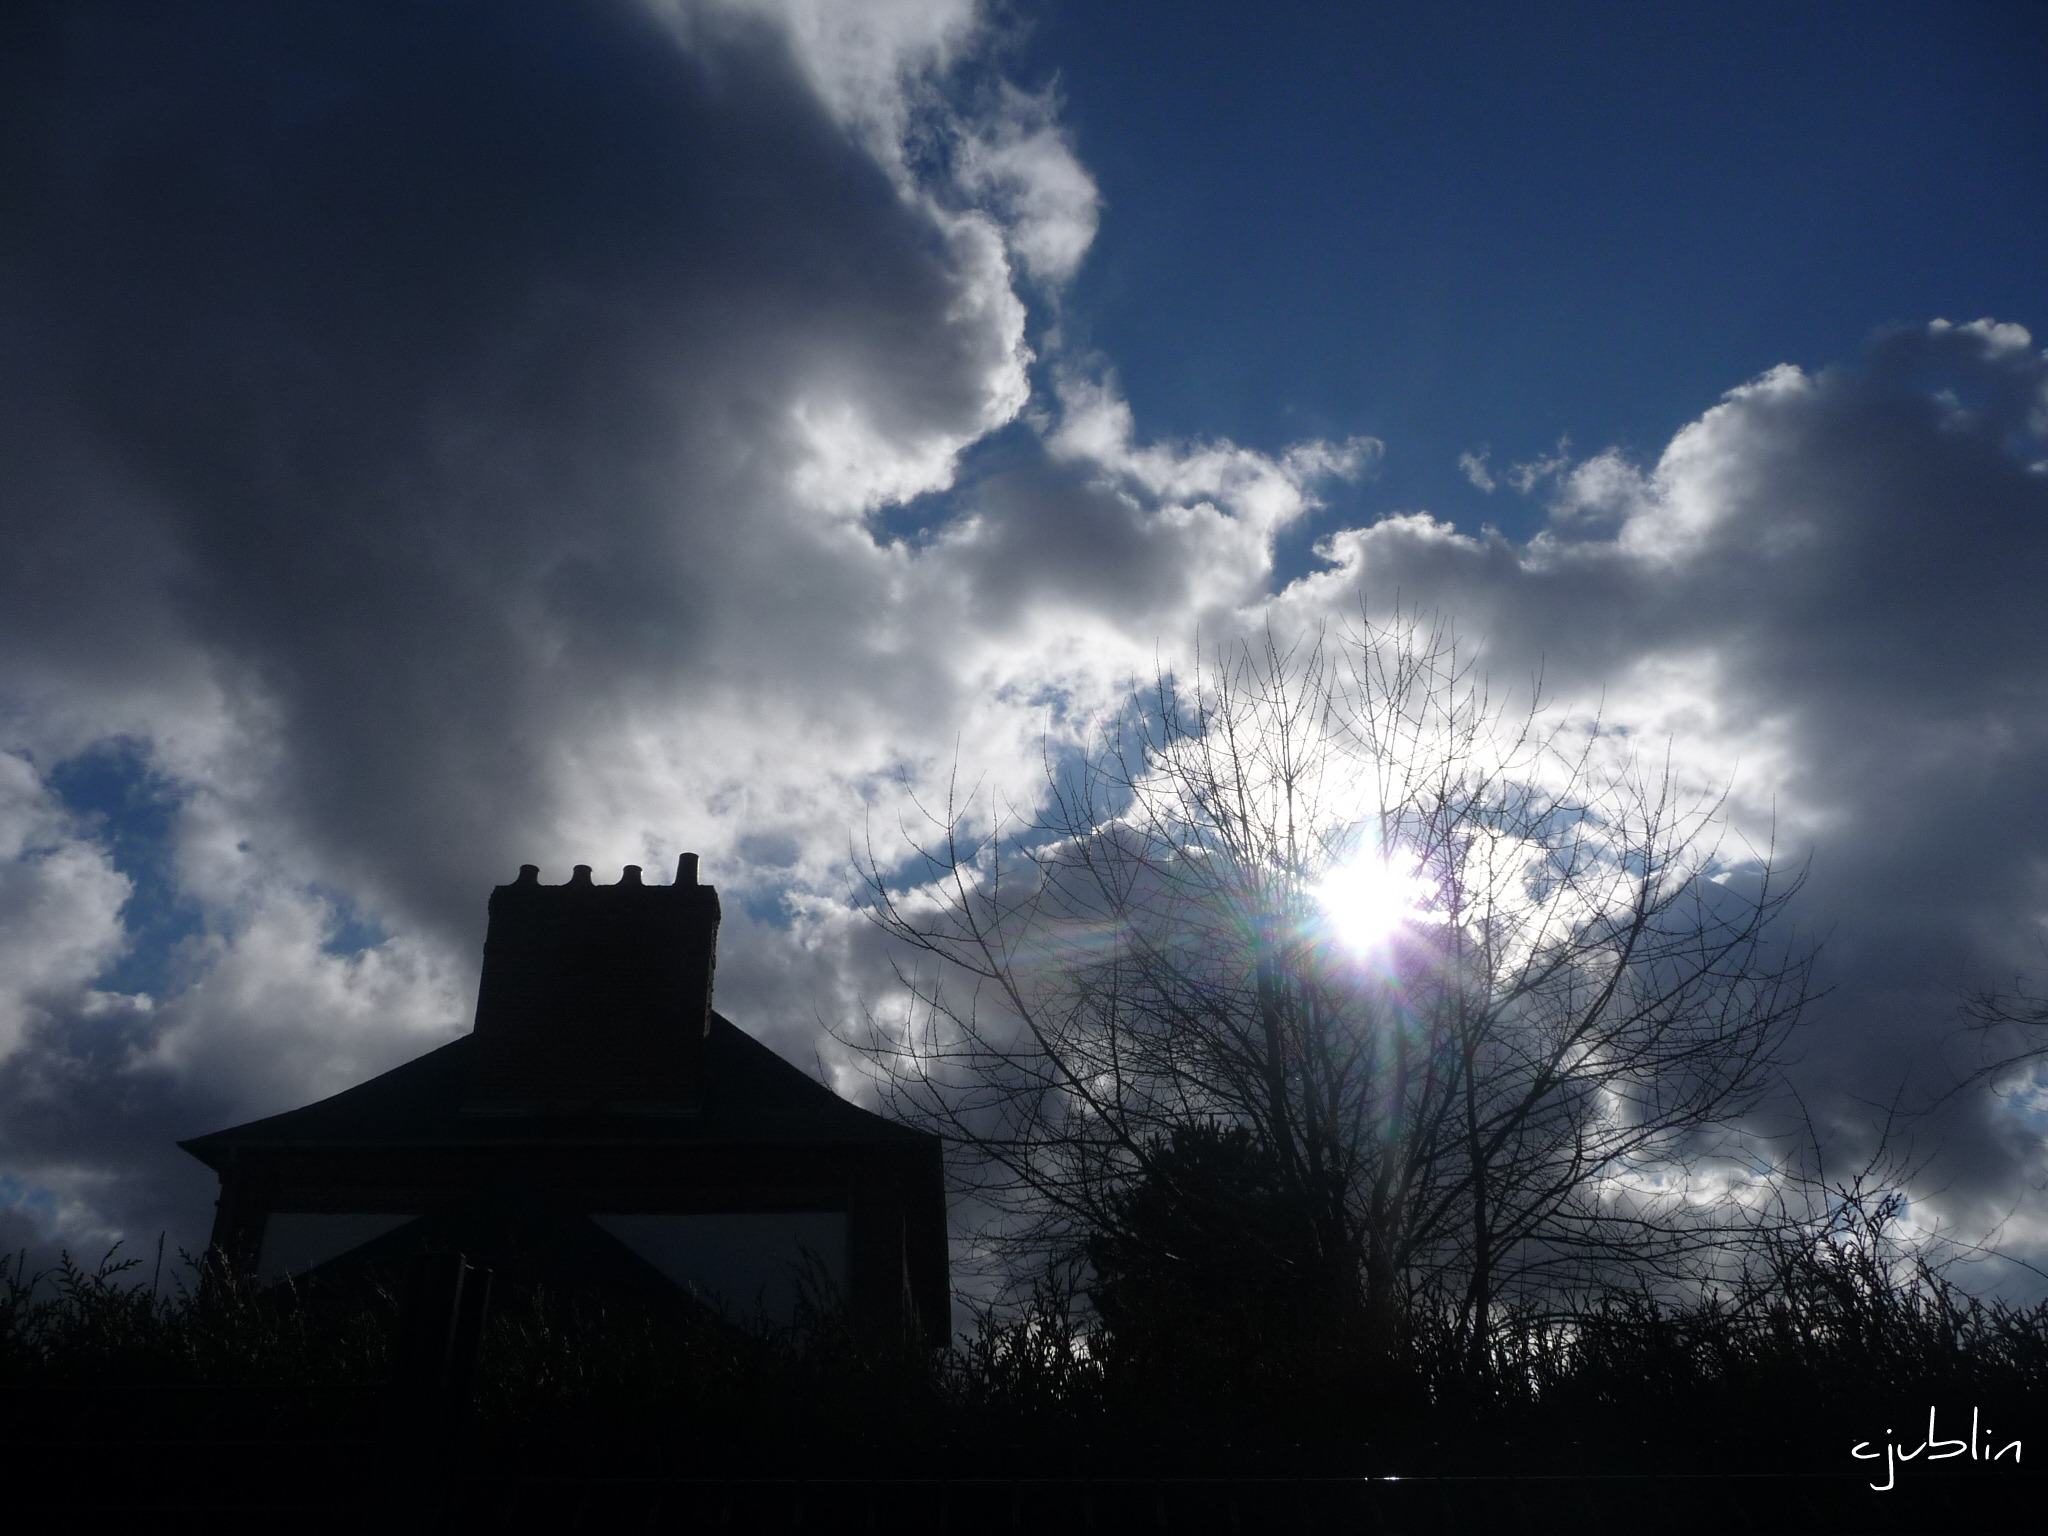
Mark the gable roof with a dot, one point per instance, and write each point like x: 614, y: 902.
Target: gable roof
x: 754, y: 1098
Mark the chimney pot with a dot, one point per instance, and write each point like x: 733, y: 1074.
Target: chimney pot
x: 529, y: 874
x: 594, y: 1004
x: 686, y: 869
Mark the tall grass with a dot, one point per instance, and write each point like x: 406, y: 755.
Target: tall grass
x: 1826, y: 1340
x: 1822, y: 1343
x: 186, y: 1322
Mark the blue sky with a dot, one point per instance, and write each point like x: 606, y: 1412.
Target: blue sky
x: 1479, y: 225
x: 438, y: 438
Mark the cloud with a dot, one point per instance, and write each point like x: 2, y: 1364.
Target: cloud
x: 874, y: 68
x: 1529, y: 474
x: 1020, y: 163
x: 576, y: 433
x: 448, y: 443
x: 1473, y: 467
x: 60, y: 905
x: 1826, y: 592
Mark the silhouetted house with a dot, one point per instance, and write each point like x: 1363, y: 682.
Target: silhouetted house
x: 600, y: 1125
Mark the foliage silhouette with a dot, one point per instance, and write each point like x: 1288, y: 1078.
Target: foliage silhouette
x: 1822, y: 1340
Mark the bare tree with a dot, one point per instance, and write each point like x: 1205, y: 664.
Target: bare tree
x: 2013, y: 1025
x: 1479, y: 992
x: 2010, y: 1030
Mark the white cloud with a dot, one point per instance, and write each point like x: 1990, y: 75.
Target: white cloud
x: 1019, y: 162
x: 872, y: 64
x: 276, y: 1019
x: 532, y: 546
x: 1824, y: 593
x: 687, y: 490
x: 1529, y: 474
x: 60, y: 903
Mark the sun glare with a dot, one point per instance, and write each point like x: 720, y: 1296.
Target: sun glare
x: 1368, y: 898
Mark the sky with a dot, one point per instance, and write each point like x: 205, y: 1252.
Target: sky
x: 441, y: 437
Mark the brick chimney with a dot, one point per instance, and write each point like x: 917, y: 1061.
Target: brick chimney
x: 595, y: 998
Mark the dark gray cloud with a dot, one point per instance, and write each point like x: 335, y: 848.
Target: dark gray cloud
x: 440, y: 351
x: 435, y: 437
x: 447, y: 435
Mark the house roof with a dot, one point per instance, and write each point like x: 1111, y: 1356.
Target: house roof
x: 754, y: 1098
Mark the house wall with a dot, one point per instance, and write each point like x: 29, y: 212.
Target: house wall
x: 745, y: 1264
x: 869, y: 1214
x: 296, y: 1241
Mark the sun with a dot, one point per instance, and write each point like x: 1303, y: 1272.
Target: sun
x: 1369, y: 898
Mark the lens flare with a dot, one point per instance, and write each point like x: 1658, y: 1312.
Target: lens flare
x: 1368, y: 899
